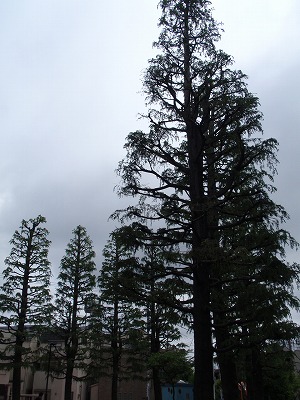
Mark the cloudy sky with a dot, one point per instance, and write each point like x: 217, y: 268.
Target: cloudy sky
x: 70, y: 76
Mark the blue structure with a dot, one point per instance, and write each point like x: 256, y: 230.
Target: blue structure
x: 182, y: 391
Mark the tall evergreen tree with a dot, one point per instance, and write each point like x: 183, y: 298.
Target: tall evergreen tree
x: 76, y: 282
x: 118, y: 318
x: 150, y: 285
x: 133, y: 320
x: 208, y: 166
x: 163, y: 321
x: 252, y: 302
x: 25, y: 294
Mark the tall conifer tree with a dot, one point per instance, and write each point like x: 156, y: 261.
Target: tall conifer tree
x: 205, y: 164
x: 25, y: 294
x: 74, y: 294
x: 117, y: 319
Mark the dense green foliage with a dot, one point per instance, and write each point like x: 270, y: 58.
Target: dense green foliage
x: 118, y: 318
x: 25, y: 299
x: 173, y: 365
x: 203, y: 177
x: 75, y: 285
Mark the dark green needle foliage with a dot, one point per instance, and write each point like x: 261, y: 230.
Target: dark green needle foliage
x: 25, y: 295
x: 74, y: 294
x: 203, y: 179
x: 118, y: 320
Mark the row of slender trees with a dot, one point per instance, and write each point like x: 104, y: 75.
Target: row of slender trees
x: 104, y: 329
x: 202, y: 243
x: 26, y: 305
x: 130, y: 324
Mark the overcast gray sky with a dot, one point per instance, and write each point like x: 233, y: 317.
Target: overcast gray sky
x: 70, y: 76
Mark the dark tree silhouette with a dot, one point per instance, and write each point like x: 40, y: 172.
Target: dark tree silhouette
x: 76, y: 282
x: 25, y: 294
x: 203, y: 168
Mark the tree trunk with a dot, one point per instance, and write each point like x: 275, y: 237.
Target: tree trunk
x: 70, y: 355
x: 16, y: 382
x: 203, y: 351
x: 116, y: 352
x: 226, y: 359
x: 154, y: 338
x: 156, y: 384
x: 115, y: 376
x: 229, y: 380
x: 254, y: 378
x: 69, y: 380
x: 73, y: 349
x: 203, y: 354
